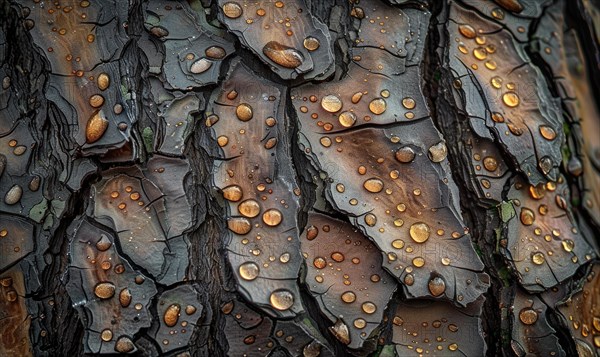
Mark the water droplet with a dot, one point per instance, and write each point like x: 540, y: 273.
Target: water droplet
x: 244, y: 112
x: 409, y: 103
x: 480, y: 53
x: 437, y: 286
x: 510, y: 5
x: 96, y: 100
x: 96, y: 127
x: 347, y: 119
x: 545, y: 164
x: 125, y: 297
x: 171, y: 315
x: 490, y: 164
x: 272, y: 217
x: 13, y: 195
x: 232, y: 10
x: 239, y: 225
x: 249, y: 208
x: 377, y: 106
x: 527, y: 216
x: 124, y: 345
x: 419, y: 232
x: 283, y: 55
x: 405, y: 154
x: 438, y: 152
x: 103, y: 81
x: 568, y: 245
x: 104, y: 290
x: 373, y: 185
x: 271, y: 142
x: 538, y: 258
x: 311, y: 43
x: 356, y: 97
x: 369, y: 308
x: 331, y: 103
x: 159, y: 31
x: 233, y: 193
x: 282, y: 299
x: 547, y: 132
x: 312, y: 232
x: 215, y: 52
x: 528, y: 316
x: 370, y: 219
x: 106, y: 335
x: 200, y: 66
x: 467, y: 31
x: 348, y: 297
x: 340, y: 331
x: 337, y: 256
x: 510, y: 99
x: 496, y: 82
x: 249, y: 271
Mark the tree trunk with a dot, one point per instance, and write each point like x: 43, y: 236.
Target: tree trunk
x: 373, y: 178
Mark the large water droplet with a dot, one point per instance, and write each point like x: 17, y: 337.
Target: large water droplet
x: 348, y: 297
x: 96, y: 127
x: 510, y: 99
x: 373, y: 185
x: 13, y: 195
x: 104, y: 290
x: 347, y: 119
x: 249, y: 271
x: 282, y: 299
x: 249, y: 208
x: 377, y: 106
x: 419, y: 232
x: 283, y: 55
x: 200, y: 66
x: 232, y: 10
x: 340, y: 331
x: 467, y: 31
x: 233, y: 193
x: 272, y: 217
x: 311, y: 43
x: 405, y: 154
x: 437, y: 286
x: 244, y: 112
x: 438, y: 152
x: 172, y: 315
x: 528, y: 316
x: 331, y: 103
x: 239, y: 225
x: 103, y: 81
x: 125, y: 297
x: 527, y: 216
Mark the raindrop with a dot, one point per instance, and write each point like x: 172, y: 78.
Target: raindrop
x: 438, y: 152
x: 200, y: 66
x: 419, y: 232
x: 373, y: 185
x: 283, y: 55
x: 272, y: 217
x: 249, y: 271
x: 96, y: 127
x: 377, y: 106
x: 233, y: 193
x: 282, y: 299
x: 311, y: 43
x: 232, y: 10
x: 405, y: 154
x: 104, y: 290
x: 249, y: 208
x: 13, y: 195
x: 244, y: 112
x: 331, y: 103
x: 437, y: 286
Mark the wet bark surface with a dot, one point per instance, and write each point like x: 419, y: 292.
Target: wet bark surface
x: 297, y: 178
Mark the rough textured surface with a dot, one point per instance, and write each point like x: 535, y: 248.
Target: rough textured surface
x: 299, y: 178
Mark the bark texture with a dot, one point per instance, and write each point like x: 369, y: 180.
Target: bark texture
x: 297, y: 178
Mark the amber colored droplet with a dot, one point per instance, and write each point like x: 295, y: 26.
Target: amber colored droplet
x: 373, y: 185
x: 498, y: 118
x: 312, y: 232
x: 239, y: 225
x: 337, y: 256
x: 348, y: 297
x: 96, y: 100
x: 568, y: 245
x: 360, y: 323
x: 356, y: 97
x: 104, y: 290
x: 311, y: 43
x: 419, y: 232
x: 96, y: 127
x: 232, y: 10
x: 124, y: 345
x: 547, y: 132
x: 405, y: 154
x: 453, y: 347
x: 347, y: 119
x: 106, y: 335
x: 282, y: 299
x: 215, y: 52
x: 232, y: 95
x: 437, y: 286
x: 171, y: 315
x: 200, y: 66
x: 331, y: 103
x: 272, y: 217
x: 369, y: 308
x: 13, y: 195
x: 249, y: 208
x: 222, y: 140
x: 233, y: 193
x: 480, y: 53
x: 270, y: 143
x: 496, y: 82
x: 408, y: 103
x: 528, y: 316
x: 125, y: 297
x: 418, y: 262
x: 510, y: 5
x: 527, y: 216
x: 490, y: 164
x: 244, y: 112
x: 438, y: 152
x: 538, y: 258
x: 467, y: 31
x: 190, y: 309
x: 34, y: 184
x: 511, y: 99
x: 103, y: 81
x: 249, y: 271
x: 370, y: 219
x: 320, y: 263
x: 283, y: 55
x: 340, y: 331
x: 377, y: 106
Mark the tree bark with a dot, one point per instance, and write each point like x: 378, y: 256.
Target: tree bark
x: 373, y: 178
